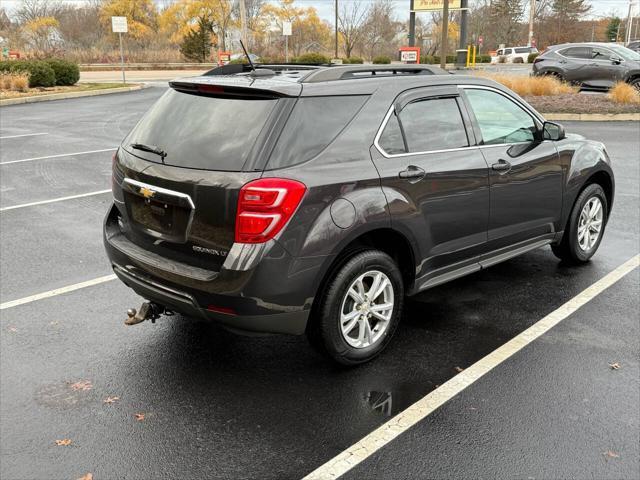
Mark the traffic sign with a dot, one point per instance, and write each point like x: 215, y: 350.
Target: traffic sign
x: 119, y: 24
x: 286, y: 28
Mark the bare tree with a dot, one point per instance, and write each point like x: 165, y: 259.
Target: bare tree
x: 351, y: 25
x: 380, y: 28
x: 32, y: 9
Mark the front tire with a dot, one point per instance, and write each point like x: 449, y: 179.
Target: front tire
x: 359, y: 309
x: 585, y: 227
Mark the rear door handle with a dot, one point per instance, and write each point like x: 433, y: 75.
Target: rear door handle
x: 501, y: 166
x: 412, y: 173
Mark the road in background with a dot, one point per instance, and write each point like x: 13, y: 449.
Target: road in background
x: 218, y: 405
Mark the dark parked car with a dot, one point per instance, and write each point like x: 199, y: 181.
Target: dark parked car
x: 312, y: 201
x: 591, y: 65
x: 635, y: 46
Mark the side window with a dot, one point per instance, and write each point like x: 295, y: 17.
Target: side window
x: 598, y: 53
x: 500, y: 120
x: 314, y: 123
x: 433, y: 124
x: 391, y: 139
x: 576, y: 52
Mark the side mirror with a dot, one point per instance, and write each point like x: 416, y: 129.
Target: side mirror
x: 615, y: 59
x: 553, y: 131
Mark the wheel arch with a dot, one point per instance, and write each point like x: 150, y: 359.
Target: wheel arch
x: 389, y: 240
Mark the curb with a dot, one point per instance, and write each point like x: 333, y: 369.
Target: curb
x: 593, y: 117
x: 66, y: 95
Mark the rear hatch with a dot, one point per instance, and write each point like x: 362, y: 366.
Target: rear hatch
x: 178, y: 174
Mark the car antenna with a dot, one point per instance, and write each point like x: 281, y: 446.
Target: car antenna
x: 253, y: 68
x: 262, y: 72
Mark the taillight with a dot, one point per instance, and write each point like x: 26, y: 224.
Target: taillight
x: 265, y: 206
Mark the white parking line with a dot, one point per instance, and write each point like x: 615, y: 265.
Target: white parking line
x: 23, y: 135
x: 384, y: 434
x: 53, y: 200
x: 59, y: 156
x: 57, y: 291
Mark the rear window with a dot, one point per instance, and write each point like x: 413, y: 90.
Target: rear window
x: 313, y: 124
x: 524, y: 50
x: 208, y: 133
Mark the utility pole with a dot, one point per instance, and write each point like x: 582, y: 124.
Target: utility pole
x: 336, y: 52
x: 464, y: 21
x: 243, y: 23
x: 412, y: 25
x: 532, y: 14
x: 445, y: 34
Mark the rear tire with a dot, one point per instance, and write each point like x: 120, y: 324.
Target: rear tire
x: 556, y: 75
x: 585, y: 226
x: 356, y: 317
x: 635, y: 83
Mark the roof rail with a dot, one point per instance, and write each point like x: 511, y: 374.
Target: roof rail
x: 360, y: 71
x: 237, y: 68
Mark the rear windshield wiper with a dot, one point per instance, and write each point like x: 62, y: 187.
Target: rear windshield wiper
x: 150, y: 149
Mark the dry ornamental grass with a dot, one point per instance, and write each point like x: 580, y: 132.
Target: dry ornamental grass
x: 624, y: 93
x: 533, y: 86
x: 14, y: 82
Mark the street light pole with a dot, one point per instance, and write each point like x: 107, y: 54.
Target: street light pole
x: 336, y: 31
x: 532, y: 13
x: 629, y: 22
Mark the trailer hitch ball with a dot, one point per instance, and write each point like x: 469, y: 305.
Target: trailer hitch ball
x: 148, y: 311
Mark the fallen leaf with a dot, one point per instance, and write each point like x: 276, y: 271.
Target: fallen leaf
x: 614, y: 366
x: 610, y: 454
x: 55, y: 322
x: 83, y: 385
x: 458, y: 369
x: 139, y: 416
x: 13, y: 329
x: 64, y: 442
x: 111, y: 399
x: 86, y: 476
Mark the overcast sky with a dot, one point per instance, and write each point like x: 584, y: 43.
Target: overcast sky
x: 325, y: 7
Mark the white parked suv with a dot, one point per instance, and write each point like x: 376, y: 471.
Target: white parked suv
x: 513, y: 54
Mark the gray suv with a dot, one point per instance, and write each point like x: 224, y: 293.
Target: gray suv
x: 313, y: 200
x: 591, y: 65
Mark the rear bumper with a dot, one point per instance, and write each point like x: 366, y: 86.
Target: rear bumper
x: 272, y: 297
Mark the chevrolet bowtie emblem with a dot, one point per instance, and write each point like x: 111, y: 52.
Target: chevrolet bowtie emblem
x: 146, y: 192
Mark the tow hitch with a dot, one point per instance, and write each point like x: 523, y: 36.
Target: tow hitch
x: 148, y: 311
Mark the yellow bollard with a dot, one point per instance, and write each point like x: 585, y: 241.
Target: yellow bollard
x: 468, y: 55
x: 474, y: 56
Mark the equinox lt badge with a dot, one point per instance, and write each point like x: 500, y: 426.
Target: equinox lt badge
x: 210, y: 251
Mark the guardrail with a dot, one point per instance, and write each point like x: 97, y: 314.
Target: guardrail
x: 91, y: 67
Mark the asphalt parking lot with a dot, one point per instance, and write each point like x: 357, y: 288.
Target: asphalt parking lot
x: 183, y: 398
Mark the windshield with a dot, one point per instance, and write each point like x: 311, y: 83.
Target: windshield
x: 196, y: 131
x: 625, y: 53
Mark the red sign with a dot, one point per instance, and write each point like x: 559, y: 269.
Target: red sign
x: 480, y: 40
x: 223, y: 58
x: 533, y: 42
x: 409, y: 54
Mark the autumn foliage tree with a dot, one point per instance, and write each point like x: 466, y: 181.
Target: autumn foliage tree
x: 141, y: 16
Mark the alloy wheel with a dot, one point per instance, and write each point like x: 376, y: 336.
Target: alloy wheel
x: 366, y: 309
x: 590, y: 224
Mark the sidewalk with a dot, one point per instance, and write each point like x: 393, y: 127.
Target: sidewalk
x: 139, y: 75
